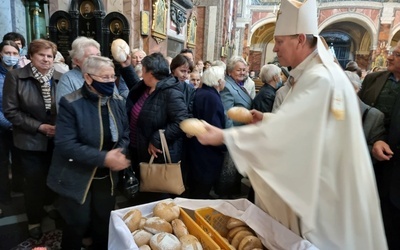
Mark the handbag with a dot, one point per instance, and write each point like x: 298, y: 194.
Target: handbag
x: 161, y: 177
x: 130, y: 184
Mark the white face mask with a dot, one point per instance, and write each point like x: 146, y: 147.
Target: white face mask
x: 10, y: 60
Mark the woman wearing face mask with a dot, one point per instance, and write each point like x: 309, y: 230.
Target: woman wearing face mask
x: 92, y: 132
x: 9, y: 57
x: 270, y: 75
x: 28, y: 103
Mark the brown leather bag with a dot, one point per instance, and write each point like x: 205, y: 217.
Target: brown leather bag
x: 161, y: 177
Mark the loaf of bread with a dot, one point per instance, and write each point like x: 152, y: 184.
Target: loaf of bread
x: 250, y: 242
x: 119, y: 50
x: 145, y: 247
x: 193, y: 126
x: 142, y: 222
x: 233, y: 222
x: 157, y: 225
x: 235, y: 230
x: 179, y: 228
x: 240, y: 114
x: 132, y: 219
x: 165, y: 241
x: 190, y: 242
x: 239, y: 237
x: 166, y: 210
x: 142, y: 237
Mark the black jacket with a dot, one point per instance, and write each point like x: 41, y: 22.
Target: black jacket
x: 164, y: 109
x: 264, y: 100
x: 78, y: 140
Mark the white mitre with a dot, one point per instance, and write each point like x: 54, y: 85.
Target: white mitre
x: 295, y: 17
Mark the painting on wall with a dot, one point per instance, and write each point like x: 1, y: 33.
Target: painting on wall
x: 159, y: 27
x: 191, y: 32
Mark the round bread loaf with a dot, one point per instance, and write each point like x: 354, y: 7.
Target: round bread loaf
x: 250, y: 242
x: 239, y: 237
x: 193, y: 126
x: 235, y: 230
x: 141, y: 237
x: 157, y: 225
x: 119, y: 50
x: 233, y: 222
x: 240, y: 114
x: 145, y: 247
x: 142, y: 221
x: 165, y: 241
x: 190, y: 242
x: 179, y: 228
x: 166, y: 210
x: 132, y: 219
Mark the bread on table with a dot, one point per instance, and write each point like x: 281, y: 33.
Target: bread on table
x: 249, y: 243
x: 165, y: 241
x: 179, y: 228
x: 142, y: 237
x: 190, y: 242
x: 132, y: 219
x: 157, y: 225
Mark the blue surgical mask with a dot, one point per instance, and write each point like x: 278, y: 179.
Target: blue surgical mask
x: 279, y: 84
x: 10, y: 60
x: 104, y: 88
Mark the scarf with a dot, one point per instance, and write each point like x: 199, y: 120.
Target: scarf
x: 45, y: 84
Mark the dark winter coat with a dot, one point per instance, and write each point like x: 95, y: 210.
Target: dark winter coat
x: 164, y: 109
x: 78, y: 140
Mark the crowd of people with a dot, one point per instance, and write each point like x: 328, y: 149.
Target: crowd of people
x: 321, y: 153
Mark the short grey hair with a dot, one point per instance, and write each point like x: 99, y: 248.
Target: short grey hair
x: 219, y: 63
x: 133, y: 52
x: 354, y: 79
x: 268, y: 72
x: 212, y: 75
x: 79, y: 46
x: 94, y: 63
x: 232, y: 62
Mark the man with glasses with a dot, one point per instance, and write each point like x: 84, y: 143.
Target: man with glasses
x: 382, y: 90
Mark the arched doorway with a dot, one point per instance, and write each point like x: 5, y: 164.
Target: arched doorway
x: 344, y: 38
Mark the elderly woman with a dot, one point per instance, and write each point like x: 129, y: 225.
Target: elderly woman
x: 154, y: 103
x: 92, y: 130
x: 9, y: 56
x: 29, y: 104
x: 234, y: 93
x: 206, y: 161
x: 270, y: 75
x: 81, y: 48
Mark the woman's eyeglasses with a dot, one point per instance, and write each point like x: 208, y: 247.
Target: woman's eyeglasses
x: 105, y: 78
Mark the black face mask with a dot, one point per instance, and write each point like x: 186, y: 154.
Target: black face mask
x: 104, y: 88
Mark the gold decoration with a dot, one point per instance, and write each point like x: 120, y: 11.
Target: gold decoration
x: 191, y: 32
x: 159, y: 27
